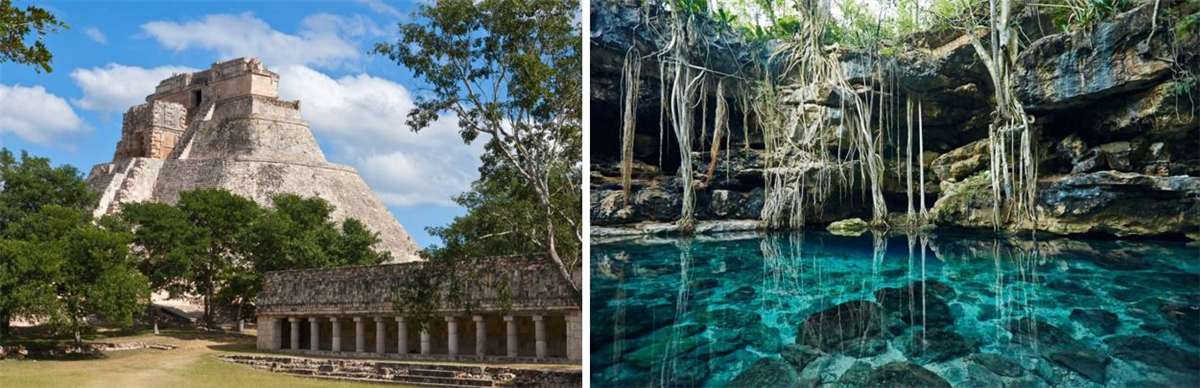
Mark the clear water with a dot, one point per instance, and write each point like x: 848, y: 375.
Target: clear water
x: 805, y: 309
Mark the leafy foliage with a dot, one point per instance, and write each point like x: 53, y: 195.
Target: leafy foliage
x: 219, y: 245
x: 28, y: 273
x: 55, y: 262
x: 1075, y: 14
x: 509, y: 70
x: 16, y: 24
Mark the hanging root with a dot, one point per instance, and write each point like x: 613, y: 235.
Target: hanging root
x: 720, y: 122
x: 631, y: 83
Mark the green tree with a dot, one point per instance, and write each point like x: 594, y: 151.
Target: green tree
x: 90, y: 270
x: 27, y: 184
x: 297, y: 233
x: 16, y: 24
x: 167, y: 243
x: 219, y: 245
x: 510, y: 70
x: 220, y: 218
x: 500, y: 221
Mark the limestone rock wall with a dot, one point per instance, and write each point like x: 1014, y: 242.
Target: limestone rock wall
x: 224, y: 127
x: 1115, y: 119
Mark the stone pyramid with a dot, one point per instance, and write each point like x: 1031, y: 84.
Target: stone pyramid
x: 225, y: 127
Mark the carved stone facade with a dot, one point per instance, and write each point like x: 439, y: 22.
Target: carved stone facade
x: 520, y: 312
x: 225, y: 127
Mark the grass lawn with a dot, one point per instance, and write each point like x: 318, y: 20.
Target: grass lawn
x: 193, y: 364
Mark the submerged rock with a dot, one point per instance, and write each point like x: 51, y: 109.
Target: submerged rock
x: 1186, y: 317
x: 1059, y: 347
x: 936, y: 345
x: 648, y: 355
x: 1088, y: 363
x: 919, y: 303
x: 836, y: 327
x: 1153, y: 352
x: 733, y: 318
x: 1100, y: 322
x: 799, y: 355
x: 978, y: 376
x: 853, y: 376
x: 998, y: 364
x: 903, y: 374
x: 766, y: 372
x: 763, y: 337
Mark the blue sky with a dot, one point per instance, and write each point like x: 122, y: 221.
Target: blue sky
x: 116, y: 52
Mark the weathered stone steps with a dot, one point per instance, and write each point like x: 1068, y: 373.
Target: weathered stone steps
x: 434, y: 375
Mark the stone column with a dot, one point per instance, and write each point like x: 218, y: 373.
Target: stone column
x: 452, y: 336
x: 510, y: 323
x: 401, y: 336
x: 574, y: 337
x: 480, y: 336
x: 539, y: 335
x: 425, y: 341
x: 295, y: 332
x: 360, y: 335
x: 337, y: 334
x: 314, y: 338
x: 380, y: 336
x: 276, y: 333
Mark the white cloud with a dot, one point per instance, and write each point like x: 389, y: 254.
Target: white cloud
x: 37, y: 116
x: 321, y: 40
x: 363, y: 116
x: 96, y: 35
x: 115, y: 88
x: 379, y: 7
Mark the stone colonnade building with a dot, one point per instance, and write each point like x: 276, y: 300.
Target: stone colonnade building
x: 521, y: 311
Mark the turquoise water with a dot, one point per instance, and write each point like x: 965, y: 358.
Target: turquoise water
x: 812, y: 309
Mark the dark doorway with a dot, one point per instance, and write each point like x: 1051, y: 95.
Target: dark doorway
x: 195, y: 98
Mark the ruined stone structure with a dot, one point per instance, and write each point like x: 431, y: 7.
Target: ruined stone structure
x: 520, y: 312
x: 225, y: 127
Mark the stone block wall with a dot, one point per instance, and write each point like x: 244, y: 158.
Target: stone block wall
x: 371, y: 289
x: 150, y: 130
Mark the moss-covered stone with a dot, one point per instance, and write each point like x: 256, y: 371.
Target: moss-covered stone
x: 849, y: 227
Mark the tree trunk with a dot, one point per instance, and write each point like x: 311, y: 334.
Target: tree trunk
x: 552, y: 247
x: 241, y: 304
x: 208, y: 291
x: 76, y: 331
x: 4, y: 326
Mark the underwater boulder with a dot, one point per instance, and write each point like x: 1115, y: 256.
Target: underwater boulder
x: 998, y: 364
x: 936, y: 345
x: 766, y: 372
x: 763, y: 337
x: 799, y: 355
x: 1086, y: 362
x: 903, y: 374
x: 832, y: 329
x: 919, y: 303
x: 1058, y: 346
x: 1153, y: 352
x: 1099, y: 321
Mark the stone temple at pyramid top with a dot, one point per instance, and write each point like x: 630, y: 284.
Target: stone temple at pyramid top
x: 225, y: 127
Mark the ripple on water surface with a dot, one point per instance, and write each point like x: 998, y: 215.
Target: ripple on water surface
x: 813, y: 309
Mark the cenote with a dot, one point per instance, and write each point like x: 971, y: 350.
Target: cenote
x: 814, y: 309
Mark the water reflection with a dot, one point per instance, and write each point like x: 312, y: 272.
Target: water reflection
x: 811, y: 308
